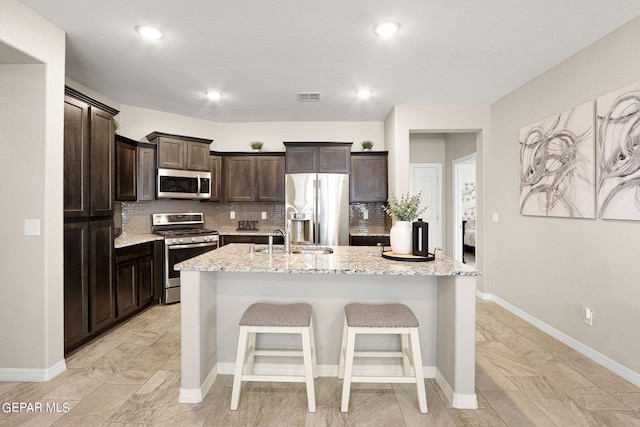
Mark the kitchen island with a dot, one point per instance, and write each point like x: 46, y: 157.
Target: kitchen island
x: 218, y: 286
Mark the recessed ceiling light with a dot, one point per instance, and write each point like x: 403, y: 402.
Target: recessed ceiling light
x: 386, y: 28
x: 149, y: 32
x: 364, y: 93
x: 214, y: 96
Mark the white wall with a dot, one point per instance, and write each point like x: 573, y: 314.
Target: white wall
x: 136, y: 123
x: 551, y: 267
x: 31, y: 267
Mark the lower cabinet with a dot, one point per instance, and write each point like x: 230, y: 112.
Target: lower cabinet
x: 103, y: 286
x: 226, y: 239
x: 138, y: 275
x: 369, y: 240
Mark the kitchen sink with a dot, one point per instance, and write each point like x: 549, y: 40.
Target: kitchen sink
x: 315, y: 251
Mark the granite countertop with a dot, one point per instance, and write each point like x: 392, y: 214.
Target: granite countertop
x: 125, y: 240
x: 236, y: 257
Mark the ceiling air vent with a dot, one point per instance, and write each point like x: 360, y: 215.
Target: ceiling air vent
x: 309, y: 96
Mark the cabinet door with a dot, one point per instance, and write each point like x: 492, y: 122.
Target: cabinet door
x: 197, y: 156
x: 270, y: 178
x: 146, y: 181
x: 145, y: 279
x: 102, y: 167
x: 302, y: 159
x: 126, y: 176
x: 76, y: 158
x: 126, y: 287
x: 369, y: 178
x: 216, y: 178
x: 76, y: 283
x: 239, y: 179
x: 334, y: 159
x: 172, y: 153
x: 101, y: 254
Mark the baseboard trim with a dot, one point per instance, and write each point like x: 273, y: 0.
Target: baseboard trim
x: 33, y: 375
x: 615, y: 367
x: 196, y: 395
x: 458, y: 401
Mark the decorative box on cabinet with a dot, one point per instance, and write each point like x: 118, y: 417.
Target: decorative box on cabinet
x: 369, y: 177
x: 321, y: 157
x: 181, y: 152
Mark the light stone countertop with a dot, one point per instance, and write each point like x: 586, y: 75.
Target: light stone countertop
x: 236, y: 257
x: 125, y: 240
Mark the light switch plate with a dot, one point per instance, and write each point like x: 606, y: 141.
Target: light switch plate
x: 232, y: 215
x: 31, y: 227
x: 495, y: 217
x: 264, y: 215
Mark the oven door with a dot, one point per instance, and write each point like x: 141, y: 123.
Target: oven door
x: 175, y: 254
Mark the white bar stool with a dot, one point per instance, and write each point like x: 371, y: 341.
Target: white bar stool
x: 381, y: 319
x: 275, y: 319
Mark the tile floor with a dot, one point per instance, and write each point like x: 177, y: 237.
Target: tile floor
x: 131, y: 377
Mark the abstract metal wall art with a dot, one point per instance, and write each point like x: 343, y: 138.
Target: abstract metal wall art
x: 557, y: 165
x: 619, y: 154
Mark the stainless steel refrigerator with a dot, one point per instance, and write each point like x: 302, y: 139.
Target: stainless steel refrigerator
x: 317, y: 206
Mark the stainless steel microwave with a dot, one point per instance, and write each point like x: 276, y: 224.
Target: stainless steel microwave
x: 181, y: 184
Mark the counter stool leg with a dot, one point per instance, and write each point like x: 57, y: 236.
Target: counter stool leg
x: 348, y: 368
x: 406, y: 364
x: 240, y: 359
x: 417, y: 366
x: 343, y: 349
x: 308, y: 367
x: 251, y: 352
x: 314, y: 357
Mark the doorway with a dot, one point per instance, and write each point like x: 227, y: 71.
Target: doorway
x: 426, y: 178
x: 464, y: 207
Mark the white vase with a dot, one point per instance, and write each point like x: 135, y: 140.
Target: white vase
x: 401, y: 235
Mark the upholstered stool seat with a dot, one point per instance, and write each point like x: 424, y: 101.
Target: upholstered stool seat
x: 381, y: 319
x: 275, y: 319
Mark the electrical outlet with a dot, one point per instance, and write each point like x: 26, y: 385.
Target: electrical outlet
x: 365, y: 215
x: 264, y: 215
x: 31, y: 227
x: 232, y: 215
x: 587, y: 315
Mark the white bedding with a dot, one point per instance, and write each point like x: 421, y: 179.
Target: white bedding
x: 470, y: 233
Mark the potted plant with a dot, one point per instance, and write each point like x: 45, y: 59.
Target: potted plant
x: 256, y: 145
x: 367, y: 145
x: 403, y: 211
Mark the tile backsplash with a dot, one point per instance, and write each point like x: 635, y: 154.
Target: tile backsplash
x: 136, y: 216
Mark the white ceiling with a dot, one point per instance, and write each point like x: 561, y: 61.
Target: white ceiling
x: 260, y: 53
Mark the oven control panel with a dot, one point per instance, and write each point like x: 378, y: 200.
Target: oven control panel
x: 191, y: 239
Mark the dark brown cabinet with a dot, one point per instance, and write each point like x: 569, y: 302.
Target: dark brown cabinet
x: 135, y: 170
x: 369, y: 240
x: 102, y: 167
x: 138, y: 277
x: 101, y: 290
x: 369, y: 177
x: 253, y: 178
x: 181, y: 152
x: 321, y: 157
x: 227, y: 239
x: 76, y: 283
x: 126, y: 170
x: 146, y: 173
x: 216, y: 178
x: 269, y: 178
x: 76, y: 158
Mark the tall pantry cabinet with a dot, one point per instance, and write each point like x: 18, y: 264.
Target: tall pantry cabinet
x: 89, y: 171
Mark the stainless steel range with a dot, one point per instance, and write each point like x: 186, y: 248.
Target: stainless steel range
x: 184, y: 237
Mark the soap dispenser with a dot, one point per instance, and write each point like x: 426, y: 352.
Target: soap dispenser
x: 420, y: 238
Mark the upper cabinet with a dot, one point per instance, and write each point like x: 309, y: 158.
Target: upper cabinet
x: 253, y: 177
x: 369, y: 177
x: 89, y: 165
x: 135, y: 170
x: 321, y: 157
x: 181, y: 152
x: 216, y: 178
